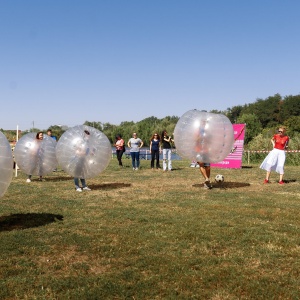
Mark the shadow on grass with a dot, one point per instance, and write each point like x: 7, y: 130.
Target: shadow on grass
x: 225, y: 185
x: 177, y: 169
x: 57, y: 178
x: 23, y: 221
x: 109, y: 186
x: 290, y: 180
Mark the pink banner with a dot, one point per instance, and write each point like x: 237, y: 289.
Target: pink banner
x: 234, y: 159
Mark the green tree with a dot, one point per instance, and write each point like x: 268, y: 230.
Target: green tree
x: 97, y: 125
x: 290, y: 107
x: 253, y: 126
x: 293, y: 125
x: 266, y: 110
x: 233, y: 113
x: 34, y: 129
x: 11, y: 135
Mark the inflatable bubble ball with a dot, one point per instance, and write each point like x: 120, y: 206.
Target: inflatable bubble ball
x: 6, y: 164
x: 34, y: 156
x: 83, y: 151
x: 204, y: 137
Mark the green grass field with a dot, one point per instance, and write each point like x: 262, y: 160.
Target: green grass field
x: 150, y: 234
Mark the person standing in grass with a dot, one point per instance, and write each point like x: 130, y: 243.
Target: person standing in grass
x: 81, y: 153
x: 49, y: 133
x: 119, y: 144
x: 83, y: 183
x: 135, y: 144
x: 276, y: 158
x: 154, y: 150
x: 39, y: 137
x: 167, y: 150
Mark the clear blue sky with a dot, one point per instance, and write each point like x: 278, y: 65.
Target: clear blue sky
x: 64, y: 62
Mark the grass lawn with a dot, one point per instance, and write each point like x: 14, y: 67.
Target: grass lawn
x: 150, y: 234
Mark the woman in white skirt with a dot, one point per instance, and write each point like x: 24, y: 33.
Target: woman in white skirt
x: 276, y: 158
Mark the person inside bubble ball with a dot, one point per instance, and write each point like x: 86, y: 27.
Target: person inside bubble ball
x: 275, y: 160
x: 167, y: 150
x: 82, y: 154
x: 49, y: 133
x: 83, y: 183
x: 205, y: 171
x: 39, y: 137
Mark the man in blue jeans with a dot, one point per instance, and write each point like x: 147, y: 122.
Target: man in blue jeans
x: 205, y: 171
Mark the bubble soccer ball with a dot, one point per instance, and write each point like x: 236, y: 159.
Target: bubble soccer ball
x: 219, y: 178
x: 35, y: 157
x: 83, y: 151
x: 6, y: 164
x: 204, y: 137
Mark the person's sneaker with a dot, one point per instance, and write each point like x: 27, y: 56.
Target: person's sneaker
x: 207, y: 187
x: 136, y: 169
x: 86, y: 188
x: 281, y: 182
x: 28, y: 180
x: 78, y: 190
x: 266, y: 181
x: 133, y: 169
x: 207, y: 184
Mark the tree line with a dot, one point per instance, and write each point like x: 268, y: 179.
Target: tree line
x: 262, y: 118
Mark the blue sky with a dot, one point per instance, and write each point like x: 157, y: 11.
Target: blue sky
x: 64, y: 62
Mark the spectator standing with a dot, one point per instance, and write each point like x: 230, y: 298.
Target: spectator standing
x: 167, y: 150
x: 119, y: 144
x: 155, y: 150
x: 135, y: 144
x: 275, y: 160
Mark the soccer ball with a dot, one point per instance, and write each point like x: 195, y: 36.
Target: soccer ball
x: 219, y: 178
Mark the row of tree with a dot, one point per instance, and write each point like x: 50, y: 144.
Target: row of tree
x: 262, y: 118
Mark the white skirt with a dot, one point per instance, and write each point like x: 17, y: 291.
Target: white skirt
x: 274, y: 161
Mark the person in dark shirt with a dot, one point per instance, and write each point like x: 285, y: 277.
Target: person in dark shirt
x: 154, y: 150
x: 167, y: 153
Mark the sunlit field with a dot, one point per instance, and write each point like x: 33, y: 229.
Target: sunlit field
x: 150, y: 234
